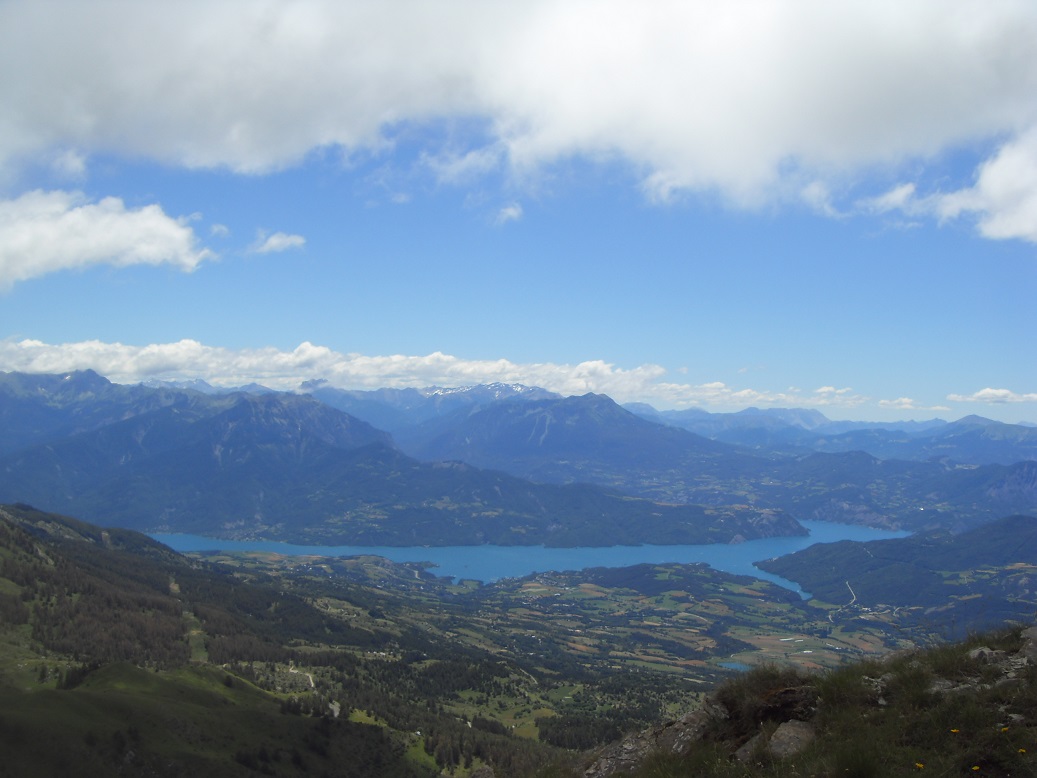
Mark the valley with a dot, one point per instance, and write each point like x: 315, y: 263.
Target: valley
x: 359, y: 665
x: 498, y: 674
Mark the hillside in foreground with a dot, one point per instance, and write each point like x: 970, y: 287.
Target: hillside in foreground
x: 121, y: 657
x: 967, y: 708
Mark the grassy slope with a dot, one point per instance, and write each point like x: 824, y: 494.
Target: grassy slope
x: 187, y: 721
x: 929, y: 712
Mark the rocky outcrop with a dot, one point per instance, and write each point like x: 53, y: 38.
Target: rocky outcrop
x: 674, y: 737
x: 713, y: 721
x: 768, y: 722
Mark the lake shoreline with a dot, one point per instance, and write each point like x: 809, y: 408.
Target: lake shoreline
x: 491, y: 563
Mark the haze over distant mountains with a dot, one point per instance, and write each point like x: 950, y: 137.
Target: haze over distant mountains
x: 969, y: 440
x: 398, y: 409
x: 286, y: 466
x: 495, y: 463
x: 972, y: 439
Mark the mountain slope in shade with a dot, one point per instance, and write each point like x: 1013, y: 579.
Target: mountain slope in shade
x: 593, y: 440
x: 42, y: 408
x: 289, y: 467
x: 275, y: 463
x: 990, y: 571
x: 588, y: 438
x: 857, y: 488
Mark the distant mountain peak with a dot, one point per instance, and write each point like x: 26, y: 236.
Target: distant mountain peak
x: 86, y: 376
x: 75, y: 383
x: 195, y: 384
x: 496, y: 390
x: 807, y: 418
x: 199, y: 385
x: 972, y: 420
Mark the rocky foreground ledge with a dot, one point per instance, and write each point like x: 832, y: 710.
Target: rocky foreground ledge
x: 772, y: 714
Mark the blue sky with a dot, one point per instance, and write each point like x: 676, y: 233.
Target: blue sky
x: 772, y: 204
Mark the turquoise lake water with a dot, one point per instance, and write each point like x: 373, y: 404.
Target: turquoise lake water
x: 491, y: 563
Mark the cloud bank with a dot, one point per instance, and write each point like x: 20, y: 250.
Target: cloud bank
x: 286, y: 370
x: 996, y: 396
x: 756, y: 100
x: 41, y: 232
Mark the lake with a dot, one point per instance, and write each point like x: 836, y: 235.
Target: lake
x: 491, y: 563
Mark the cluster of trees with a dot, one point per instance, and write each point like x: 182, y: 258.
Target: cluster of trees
x: 591, y: 718
x: 579, y: 731
x: 451, y: 741
x: 91, y: 618
x: 13, y: 610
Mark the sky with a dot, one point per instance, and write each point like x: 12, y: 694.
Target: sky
x: 768, y: 203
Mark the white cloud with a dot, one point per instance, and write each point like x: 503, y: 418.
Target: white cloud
x: 997, y: 396
x: 1004, y: 197
x: 900, y: 404
x: 509, y: 213
x: 908, y: 404
x: 817, y: 195
x: 753, y: 99
x: 899, y: 198
x: 279, y: 241
x: 42, y: 232
x: 829, y: 395
x: 287, y: 369
x: 455, y: 167
x: 69, y: 165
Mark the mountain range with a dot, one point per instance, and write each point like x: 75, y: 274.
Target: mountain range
x: 288, y: 467
x: 503, y: 464
x: 592, y: 439
x: 398, y: 409
x: 970, y: 440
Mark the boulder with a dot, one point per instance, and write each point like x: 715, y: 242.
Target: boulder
x: 1029, y: 649
x: 789, y: 739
